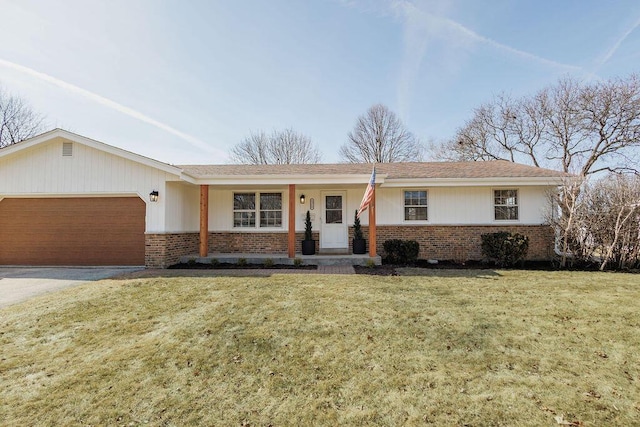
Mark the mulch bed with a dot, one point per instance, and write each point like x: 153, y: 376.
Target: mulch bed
x: 230, y: 266
x: 390, y: 269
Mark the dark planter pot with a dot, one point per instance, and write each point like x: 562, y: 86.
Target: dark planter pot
x: 308, y: 247
x: 359, y: 246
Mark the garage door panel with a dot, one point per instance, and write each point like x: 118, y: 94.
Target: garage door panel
x: 72, y: 231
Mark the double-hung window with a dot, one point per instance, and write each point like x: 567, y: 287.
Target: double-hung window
x: 505, y: 205
x: 246, y: 210
x: 415, y: 205
x: 270, y: 209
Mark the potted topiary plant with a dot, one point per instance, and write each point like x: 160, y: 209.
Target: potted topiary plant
x: 308, y: 244
x: 359, y: 243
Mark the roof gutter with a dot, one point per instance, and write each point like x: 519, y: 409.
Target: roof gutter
x: 283, y: 179
x: 473, y: 182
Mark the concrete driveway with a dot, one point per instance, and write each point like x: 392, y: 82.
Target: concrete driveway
x: 20, y: 283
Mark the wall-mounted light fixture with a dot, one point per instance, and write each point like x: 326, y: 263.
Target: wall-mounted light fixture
x: 302, y: 199
x: 153, y: 196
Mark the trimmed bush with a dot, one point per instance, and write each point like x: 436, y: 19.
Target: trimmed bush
x: 399, y: 251
x: 308, y: 235
x: 504, y: 248
x: 357, y: 228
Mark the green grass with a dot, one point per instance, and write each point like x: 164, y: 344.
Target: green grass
x: 445, y: 348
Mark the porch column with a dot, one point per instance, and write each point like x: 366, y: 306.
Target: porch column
x: 372, y: 224
x: 292, y: 221
x: 204, y: 220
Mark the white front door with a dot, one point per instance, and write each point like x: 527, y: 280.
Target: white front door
x: 334, y: 233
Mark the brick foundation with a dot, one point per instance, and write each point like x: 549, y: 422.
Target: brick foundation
x: 463, y: 243
x: 163, y: 250
x: 256, y: 243
x: 458, y: 243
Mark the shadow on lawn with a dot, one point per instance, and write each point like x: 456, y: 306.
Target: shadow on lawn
x: 239, y: 272
x: 440, y: 271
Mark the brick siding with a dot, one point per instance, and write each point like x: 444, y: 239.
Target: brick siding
x: 464, y: 243
x: 457, y: 243
x: 257, y: 243
x: 163, y: 250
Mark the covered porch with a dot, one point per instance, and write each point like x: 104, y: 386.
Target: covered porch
x: 331, y: 205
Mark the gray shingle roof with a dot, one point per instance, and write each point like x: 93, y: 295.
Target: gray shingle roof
x: 425, y: 170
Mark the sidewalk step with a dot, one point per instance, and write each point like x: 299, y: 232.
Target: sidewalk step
x: 336, y: 269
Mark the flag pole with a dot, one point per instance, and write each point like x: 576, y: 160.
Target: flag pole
x: 372, y: 223
x: 369, y: 202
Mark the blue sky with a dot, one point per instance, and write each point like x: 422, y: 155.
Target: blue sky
x: 183, y: 81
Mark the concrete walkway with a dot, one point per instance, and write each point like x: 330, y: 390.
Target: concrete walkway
x: 335, y: 269
x: 20, y: 283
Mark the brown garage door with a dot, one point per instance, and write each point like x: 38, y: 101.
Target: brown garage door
x: 72, y: 231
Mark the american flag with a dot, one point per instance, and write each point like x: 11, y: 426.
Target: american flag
x: 368, y: 194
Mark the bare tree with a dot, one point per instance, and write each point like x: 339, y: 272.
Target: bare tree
x: 580, y: 128
x: 281, y: 147
x: 18, y: 121
x: 611, y: 219
x: 600, y: 222
x: 564, y: 209
x: 380, y: 137
x: 584, y: 129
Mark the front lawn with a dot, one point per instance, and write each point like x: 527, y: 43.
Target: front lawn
x: 453, y: 347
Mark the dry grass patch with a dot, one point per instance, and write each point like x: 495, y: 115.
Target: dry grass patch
x: 449, y: 348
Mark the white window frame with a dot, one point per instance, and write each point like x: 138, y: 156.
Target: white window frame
x: 404, y: 206
x: 257, y: 211
x: 517, y: 205
x: 234, y: 210
x: 260, y: 210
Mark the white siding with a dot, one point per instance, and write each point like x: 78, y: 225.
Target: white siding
x: 182, y: 207
x: 446, y: 206
x: 221, y: 208
x: 42, y: 171
x: 353, y: 198
x: 460, y: 206
x: 301, y: 210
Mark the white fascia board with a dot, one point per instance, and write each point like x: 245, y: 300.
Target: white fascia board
x: 23, y: 145
x: 250, y: 180
x: 186, y: 178
x: 86, y: 194
x: 473, y: 182
x: 72, y: 137
x: 124, y: 153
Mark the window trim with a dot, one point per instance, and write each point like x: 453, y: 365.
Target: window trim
x: 414, y: 221
x: 257, y: 210
x: 234, y: 210
x: 518, y: 205
x: 260, y: 210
